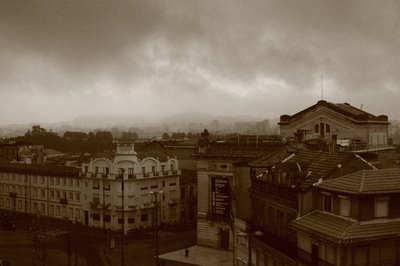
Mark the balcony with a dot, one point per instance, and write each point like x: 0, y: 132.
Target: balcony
x: 13, y: 194
x: 132, y: 207
x: 131, y: 176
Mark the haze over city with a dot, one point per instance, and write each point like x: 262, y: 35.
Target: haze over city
x: 66, y: 59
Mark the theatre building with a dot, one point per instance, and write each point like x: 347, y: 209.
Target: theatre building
x: 338, y: 126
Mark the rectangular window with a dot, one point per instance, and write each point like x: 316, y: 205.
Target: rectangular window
x: 42, y: 193
x: 70, y: 196
x: 57, y: 194
x: 51, y: 194
x: 344, y: 206
x: 71, y: 182
x: 64, y: 181
x: 120, y: 220
x: 107, y: 218
x: 144, y: 217
x: 96, y: 217
x: 96, y: 184
x: 34, y: 179
x: 77, y: 196
x: 42, y: 179
x: 57, y: 181
x: 172, y: 184
x: 71, y: 212
x: 58, y: 211
x: 327, y: 128
x: 327, y: 202
x: 51, y: 180
x: 130, y: 171
x: 77, y: 214
x: 51, y: 210
x: 381, y: 207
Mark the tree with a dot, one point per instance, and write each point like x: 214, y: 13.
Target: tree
x: 128, y: 136
x: 165, y: 136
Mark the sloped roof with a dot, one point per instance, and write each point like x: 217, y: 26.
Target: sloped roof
x: 312, y: 164
x: 342, y: 230
x: 345, y: 109
x: 319, y: 164
x: 365, y: 182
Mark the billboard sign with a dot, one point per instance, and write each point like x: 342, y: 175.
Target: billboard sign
x: 220, y: 196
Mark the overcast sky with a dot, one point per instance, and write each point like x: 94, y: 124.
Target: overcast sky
x: 64, y: 59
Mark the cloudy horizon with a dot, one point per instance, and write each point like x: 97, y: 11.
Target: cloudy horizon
x: 65, y: 59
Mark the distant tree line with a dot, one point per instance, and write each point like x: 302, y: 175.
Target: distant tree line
x: 180, y: 135
x: 73, y: 141
x: 93, y: 142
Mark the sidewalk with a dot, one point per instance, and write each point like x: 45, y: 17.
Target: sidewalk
x: 199, y: 255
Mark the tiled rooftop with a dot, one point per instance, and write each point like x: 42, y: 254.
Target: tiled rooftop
x: 365, y: 182
x: 343, y: 230
x: 313, y: 164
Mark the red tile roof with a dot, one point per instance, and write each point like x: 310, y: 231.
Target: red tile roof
x: 342, y: 230
x: 365, y: 182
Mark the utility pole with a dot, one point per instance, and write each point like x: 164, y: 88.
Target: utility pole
x: 69, y: 242
x: 123, y: 221
x: 155, y: 193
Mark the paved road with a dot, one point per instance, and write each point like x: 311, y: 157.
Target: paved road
x: 89, y: 245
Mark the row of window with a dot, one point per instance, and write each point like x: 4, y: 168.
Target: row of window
x: 381, y: 208
x: 106, y: 170
x: 58, y: 181
x: 41, y: 208
x: 40, y: 192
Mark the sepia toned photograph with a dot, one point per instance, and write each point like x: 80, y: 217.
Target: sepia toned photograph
x: 203, y: 133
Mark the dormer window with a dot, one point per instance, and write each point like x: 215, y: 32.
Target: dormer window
x: 381, y: 207
x: 327, y: 203
x: 344, y: 206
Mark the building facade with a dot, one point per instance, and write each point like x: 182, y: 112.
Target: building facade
x: 39, y: 190
x: 341, y: 126
x: 281, y: 190
x: 356, y: 221
x: 124, y: 190
x: 110, y: 193
x: 216, y: 166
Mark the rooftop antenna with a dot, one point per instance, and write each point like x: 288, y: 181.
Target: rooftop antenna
x: 322, y: 86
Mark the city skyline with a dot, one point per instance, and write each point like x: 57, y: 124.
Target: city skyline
x: 66, y: 59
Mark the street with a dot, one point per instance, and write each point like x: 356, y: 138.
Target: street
x: 82, y: 246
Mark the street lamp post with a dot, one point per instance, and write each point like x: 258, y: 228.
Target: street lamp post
x: 155, y: 193
x: 123, y: 220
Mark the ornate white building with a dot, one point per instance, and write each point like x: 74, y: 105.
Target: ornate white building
x: 125, y: 180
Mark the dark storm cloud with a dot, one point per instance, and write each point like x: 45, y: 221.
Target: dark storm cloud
x: 198, y: 50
